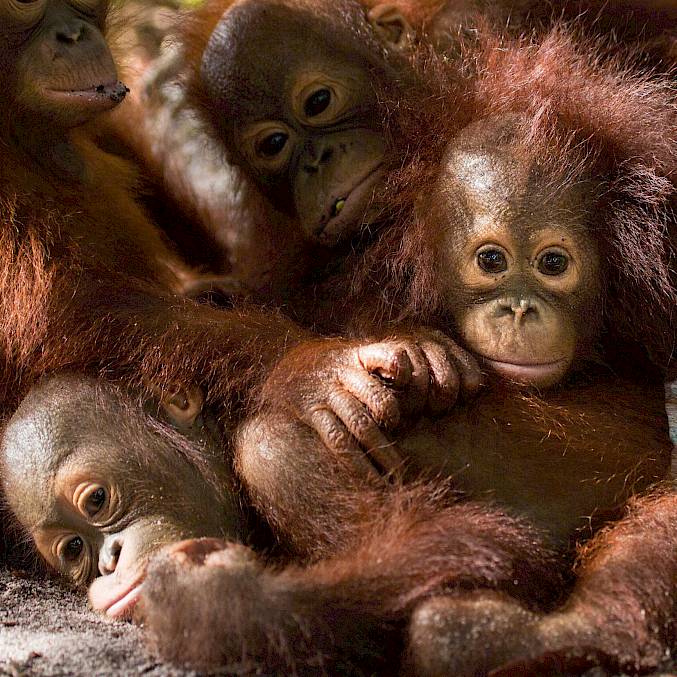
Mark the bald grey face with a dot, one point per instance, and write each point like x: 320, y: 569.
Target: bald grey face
x: 100, y: 486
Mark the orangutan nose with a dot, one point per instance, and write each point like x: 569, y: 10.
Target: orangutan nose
x: 70, y: 32
x: 109, y: 555
x: 317, y: 155
x: 520, y: 309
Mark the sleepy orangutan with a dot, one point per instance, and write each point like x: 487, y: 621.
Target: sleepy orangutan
x: 87, y: 283
x: 100, y: 485
x: 91, y: 476
x: 300, y: 121
x: 532, y: 233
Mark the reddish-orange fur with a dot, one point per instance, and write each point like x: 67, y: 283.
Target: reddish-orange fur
x: 619, y: 127
x: 615, y: 124
x: 86, y: 285
x: 87, y: 281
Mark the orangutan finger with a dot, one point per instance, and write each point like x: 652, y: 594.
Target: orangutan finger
x: 336, y: 437
x: 358, y: 422
x: 380, y: 400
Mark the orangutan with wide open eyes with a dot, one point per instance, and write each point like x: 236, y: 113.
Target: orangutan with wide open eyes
x: 519, y: 274
x: 518, y: 278
x: 522, y: 279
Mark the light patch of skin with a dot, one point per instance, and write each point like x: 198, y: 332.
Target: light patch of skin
x: 100, y: 487
x: 519, y: 259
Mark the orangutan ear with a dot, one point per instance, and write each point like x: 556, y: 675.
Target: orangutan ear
x: 391, y: 26
x: 181, y: 406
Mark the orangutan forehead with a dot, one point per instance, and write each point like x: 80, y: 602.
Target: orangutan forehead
x: 492, y: 180
x: 487, y: 177
x: 258, y: 48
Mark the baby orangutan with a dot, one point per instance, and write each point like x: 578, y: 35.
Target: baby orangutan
x: 100, y: 485
x: 541, y: 239
x: 571, y: 430
x: 518, y: 276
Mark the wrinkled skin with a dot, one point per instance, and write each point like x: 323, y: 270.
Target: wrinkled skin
x: 65, y: 74
x: 391, y: 383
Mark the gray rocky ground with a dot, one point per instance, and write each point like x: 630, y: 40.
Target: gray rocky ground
x: 47, y: 630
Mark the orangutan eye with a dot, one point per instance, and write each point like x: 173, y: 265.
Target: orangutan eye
x: 273, y: 144
x: 91, y: 499
x: 553, y: 263
x: 96, y: 500
x: 23, y: 13
x: 317, y: 103
x: 73, y: 549
x: 492, y: 261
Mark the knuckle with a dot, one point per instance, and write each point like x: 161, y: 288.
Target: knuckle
x: 390, y: 414
x: 337, y: 438
x: 395, y: 360
x: 361, y: 423
x: 381, y: 402
x: 449, y: 377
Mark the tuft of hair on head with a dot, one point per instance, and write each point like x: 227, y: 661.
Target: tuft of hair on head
x: 585, y: 115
